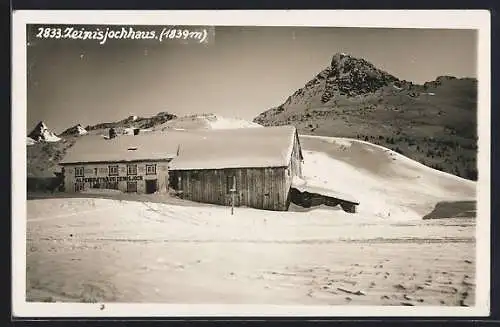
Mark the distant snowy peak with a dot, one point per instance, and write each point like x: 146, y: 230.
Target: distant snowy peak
x: 42, y: 134
x: 216, y: 122
x: 76, y: 130
x: 80, y: 130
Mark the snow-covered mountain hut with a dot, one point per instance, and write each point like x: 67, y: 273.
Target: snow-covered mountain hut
x: 251, y: 167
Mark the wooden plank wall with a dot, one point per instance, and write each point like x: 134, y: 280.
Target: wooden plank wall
x: 262, y: 188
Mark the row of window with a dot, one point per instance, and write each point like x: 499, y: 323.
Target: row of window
x: 231, y: 185
x: 131, y: 186
x: 113, y: 170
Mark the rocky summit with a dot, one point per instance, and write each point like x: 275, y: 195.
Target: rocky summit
x: 349, y: 76
x: 76, y: 130
x: 433, y: 123
x: 41, y: 133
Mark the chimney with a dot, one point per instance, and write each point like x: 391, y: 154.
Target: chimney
x: 112, y: 133
x: 136, y: 131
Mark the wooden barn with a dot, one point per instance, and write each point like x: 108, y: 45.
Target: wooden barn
x: 251, y: 167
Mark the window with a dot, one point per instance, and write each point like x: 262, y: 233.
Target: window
x: 230, y: 184
x: 79, y: 187
x: 195, y: 175
x: 150, y: 169
x: 131, y: 169
x: 113, y: 170
x: 79, y: 172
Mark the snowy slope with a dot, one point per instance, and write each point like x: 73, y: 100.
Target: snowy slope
x: 206, y: 121
x: 30, y: 141
x: 216, y: 122
x: 387, y: 184
x: 51, y: 138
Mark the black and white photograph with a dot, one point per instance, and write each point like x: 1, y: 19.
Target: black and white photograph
x: 288, y: 163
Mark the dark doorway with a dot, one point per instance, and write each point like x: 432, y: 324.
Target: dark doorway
x: 131, y: 187
x: 151, y: 186
x: 172, y: 181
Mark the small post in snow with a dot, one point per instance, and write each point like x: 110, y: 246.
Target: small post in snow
x: 233, y: 191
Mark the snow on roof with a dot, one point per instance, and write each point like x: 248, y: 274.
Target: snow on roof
x: 192, y: 149
x: 236, y: 148
x: 96, y: 148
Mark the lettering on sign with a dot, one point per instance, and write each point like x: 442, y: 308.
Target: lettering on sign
x: 108, y: 179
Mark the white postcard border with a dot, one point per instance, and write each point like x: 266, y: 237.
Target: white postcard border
x: 439, y: 19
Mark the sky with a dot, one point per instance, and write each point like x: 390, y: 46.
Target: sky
x: 239, y: 72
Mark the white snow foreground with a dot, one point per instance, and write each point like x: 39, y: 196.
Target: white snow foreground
x: 160, y: 221
x: 103, y: 251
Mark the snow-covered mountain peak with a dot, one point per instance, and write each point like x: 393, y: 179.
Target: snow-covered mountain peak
x: 80, y: 130
x: 41, y: 133
x: 76, y: 130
